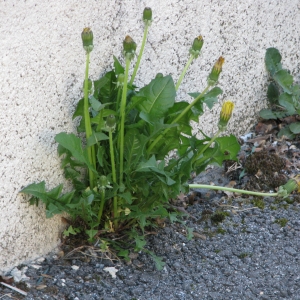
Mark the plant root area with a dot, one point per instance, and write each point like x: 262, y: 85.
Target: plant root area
x: 227, y: 247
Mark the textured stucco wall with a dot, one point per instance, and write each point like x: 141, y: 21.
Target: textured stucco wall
x: 42, y: 66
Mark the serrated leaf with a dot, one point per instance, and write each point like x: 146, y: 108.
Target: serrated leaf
x: 295, y: 127
x: 284, y: 79
x: 37, y: 190
x: 160, y: 96
x: 73, y: 144
x: 273, y: 60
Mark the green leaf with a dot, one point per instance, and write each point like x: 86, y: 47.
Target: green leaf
x: 79, y: 112
x: 160, y: 96
x: 286, y: 132
x: 286, y: 101
x: 105, y: 88
x: 134, y: 146
x: 267, y: 114
x: 295, y: 127
x: 272, y: 60
x: 210, y: 98
x: 284, y: 79
x: 71, y: 230
x: 96, y: 137
x: 126, y: 196
x: 73, y: 144
x: 118, y: 67
x: 37, y: 190
x: 273, y: 93
x: 146, y: 166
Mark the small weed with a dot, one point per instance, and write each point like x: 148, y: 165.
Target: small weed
x: 219, y: 217
x: 243, y: 255
x: 282, y: 221
x: 273, y: 207
x: 217, y: 250
x: 221, y: 230
x: 289, y: 200
x: 258, y: 203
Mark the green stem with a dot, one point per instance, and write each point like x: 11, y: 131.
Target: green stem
x: 140, y: 54
x: 102, y: 192
x: 88, y: 127
x: 184, y: 71
x: 222, y: 188
x: 122, y: 125
x: 207, y: 145
x: 153, y: 144
x: 114, y: 176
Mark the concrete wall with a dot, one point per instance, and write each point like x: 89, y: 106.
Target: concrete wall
x: 42, y: 68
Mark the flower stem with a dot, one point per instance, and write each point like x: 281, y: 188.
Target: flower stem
x: 114, y: 177
x: 184, y: 71
x: 87, y: 120
x: 122, y: 125
x: 222, y: 188
x: 153, y: 144
x: 140, y: 54
x: 102, y: 193
x: 207, y: 145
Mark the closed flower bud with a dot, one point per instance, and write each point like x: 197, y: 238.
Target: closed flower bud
x: 225, y: 114
x: 87, y: 39
x: 147, y: 15
x: 197, y: 46
x: 103, y: 182
x: 215, y: 72
x: 129, y: 47
x: 111, y: 122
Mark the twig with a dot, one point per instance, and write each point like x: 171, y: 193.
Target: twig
x: 14, y: 288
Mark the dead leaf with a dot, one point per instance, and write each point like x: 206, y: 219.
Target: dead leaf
x: 41, y: 287
x: 199, y: 236
x: 7, y: 279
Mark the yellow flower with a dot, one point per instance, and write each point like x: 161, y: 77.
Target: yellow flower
x: 225, y: 115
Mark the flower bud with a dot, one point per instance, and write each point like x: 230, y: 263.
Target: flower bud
x: 129, y: 47
x: 215, y: 72
x: 103, y: 182
x: 87, y: 39
x: 147, y: 15
x: 197, y: 46
x: 225, y: 114
x: 111, y: 122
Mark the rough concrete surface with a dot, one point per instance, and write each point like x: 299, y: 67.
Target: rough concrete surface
x: 42, y: 68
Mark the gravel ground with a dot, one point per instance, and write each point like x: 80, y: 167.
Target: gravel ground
x: 253, y: 254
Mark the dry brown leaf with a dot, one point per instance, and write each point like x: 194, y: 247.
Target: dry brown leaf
x: 41, y: 287
x: 7, y: 279
x: 199, y: 236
